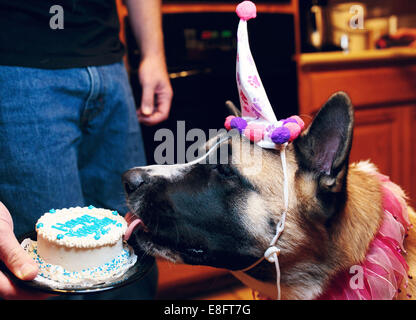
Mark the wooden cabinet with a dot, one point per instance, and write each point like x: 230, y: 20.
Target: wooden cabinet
x: 178, y: 281
x: 383, y: 92
x: 377, y: 137
x: 381, y: 135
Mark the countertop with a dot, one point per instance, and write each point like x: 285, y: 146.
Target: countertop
x: 328, y: 58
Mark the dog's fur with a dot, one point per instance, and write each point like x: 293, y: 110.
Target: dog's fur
x: 224, y: 215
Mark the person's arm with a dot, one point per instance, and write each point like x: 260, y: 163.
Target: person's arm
x: 146, y: 21
x: 15, y: 259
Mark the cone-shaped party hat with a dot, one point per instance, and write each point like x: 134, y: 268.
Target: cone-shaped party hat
x: 258, y: 121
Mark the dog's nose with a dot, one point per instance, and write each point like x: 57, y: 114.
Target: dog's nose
x: 132, y: 180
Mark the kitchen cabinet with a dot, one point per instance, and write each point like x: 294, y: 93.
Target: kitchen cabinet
x: 382, y: 87
x: 177, y: 281
x: 378, y: 137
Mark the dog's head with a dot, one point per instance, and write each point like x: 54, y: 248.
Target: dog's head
x: 224, y: 214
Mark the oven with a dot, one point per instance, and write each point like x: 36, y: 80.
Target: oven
x: 201, y: 59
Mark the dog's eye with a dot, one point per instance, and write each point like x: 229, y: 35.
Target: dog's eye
x: 224, y: 170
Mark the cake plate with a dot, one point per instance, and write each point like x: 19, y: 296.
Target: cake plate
x: 137, y: 272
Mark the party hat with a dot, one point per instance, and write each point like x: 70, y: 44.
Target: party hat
x: 258, y: 121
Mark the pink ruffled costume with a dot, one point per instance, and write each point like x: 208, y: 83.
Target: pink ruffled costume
x: 384, y: 269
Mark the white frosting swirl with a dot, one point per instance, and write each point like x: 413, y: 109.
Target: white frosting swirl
x: 86, y: 227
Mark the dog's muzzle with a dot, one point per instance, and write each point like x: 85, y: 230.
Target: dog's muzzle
x: 133, y: 179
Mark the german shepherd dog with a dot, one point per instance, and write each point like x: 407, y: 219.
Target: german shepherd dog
x: 218, y: 215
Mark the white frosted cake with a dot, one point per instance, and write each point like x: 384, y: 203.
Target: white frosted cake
x: 81, y: 246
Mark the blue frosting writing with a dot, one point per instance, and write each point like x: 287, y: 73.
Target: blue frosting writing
x: 84, y: 226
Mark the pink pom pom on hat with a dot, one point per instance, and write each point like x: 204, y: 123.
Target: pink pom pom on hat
x: 294, y: 129
x: 258, y: 121
x: 299, y: 121
x: 246, y: 10
x: 227, y: 123
x: 254, y: 131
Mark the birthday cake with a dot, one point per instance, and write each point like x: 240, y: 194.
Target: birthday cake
x: 80, y: 247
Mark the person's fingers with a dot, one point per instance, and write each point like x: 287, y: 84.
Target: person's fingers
x: 164, y: 99
x: 155, y: 118
x: 11, y: 253
x: 161, y: 113
x: 5, y: 216
x: 152, y: 120
x: 156, y: 92
x: 14, y: 256
x: 9, y: 291
x: 147, y: 103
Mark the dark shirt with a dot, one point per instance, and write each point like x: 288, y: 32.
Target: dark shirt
x: 30, y: 35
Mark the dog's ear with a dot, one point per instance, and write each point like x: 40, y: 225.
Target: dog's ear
x: 325, y: 147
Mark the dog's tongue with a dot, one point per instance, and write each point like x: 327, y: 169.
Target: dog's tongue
x: 132, y: 221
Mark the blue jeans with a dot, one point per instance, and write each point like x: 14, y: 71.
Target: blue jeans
x: 66, y: 136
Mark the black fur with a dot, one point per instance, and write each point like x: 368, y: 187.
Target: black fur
x: 197, y: 216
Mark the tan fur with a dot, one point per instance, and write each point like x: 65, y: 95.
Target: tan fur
x: 357, y: 225
x: 256, y: 217
x: 410, y: 246
x: 268, y: 179
x: 361, y: 218
x: 353, y: 232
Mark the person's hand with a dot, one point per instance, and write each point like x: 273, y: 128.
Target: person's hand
x: 156, y: 91
x: 16, y: 260
x: 406, y: 33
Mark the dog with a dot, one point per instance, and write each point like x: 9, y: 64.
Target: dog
x: 218, y: 215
